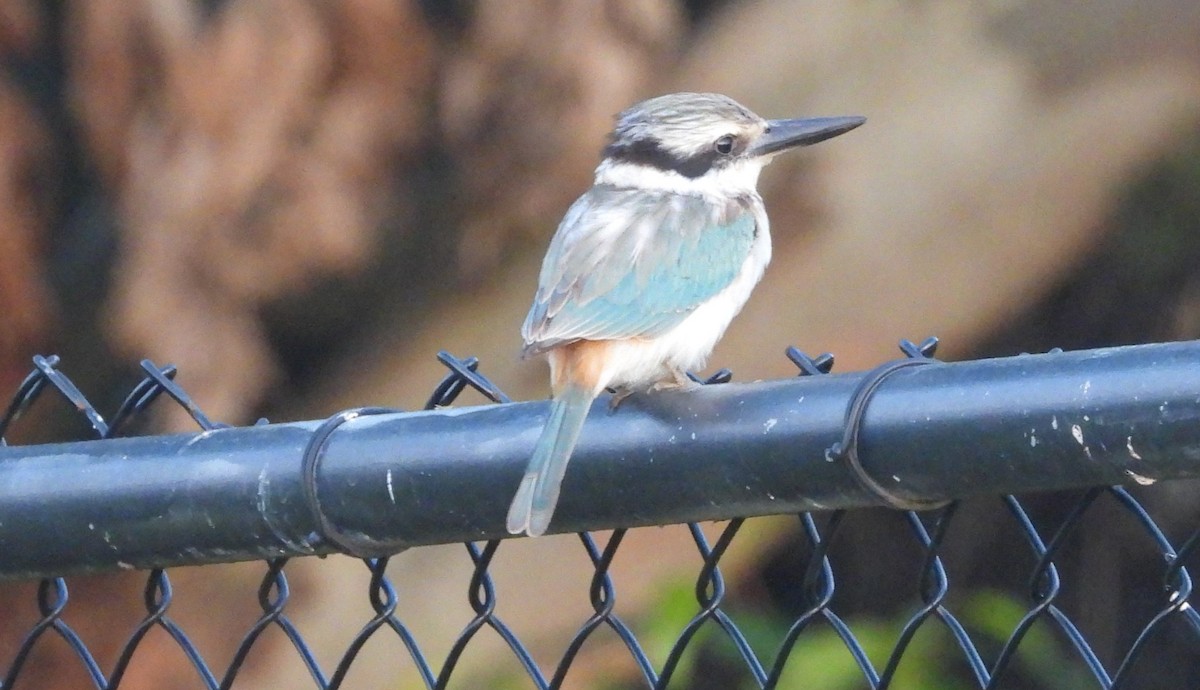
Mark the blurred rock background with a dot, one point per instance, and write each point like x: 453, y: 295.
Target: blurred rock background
x: 299, y: 202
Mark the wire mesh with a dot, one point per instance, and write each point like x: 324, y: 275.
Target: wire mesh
x: 1038, y: 642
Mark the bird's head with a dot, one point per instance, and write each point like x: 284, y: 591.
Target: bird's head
x: 703, y: 142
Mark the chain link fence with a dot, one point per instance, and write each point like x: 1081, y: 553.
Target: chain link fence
x: 945, y: 439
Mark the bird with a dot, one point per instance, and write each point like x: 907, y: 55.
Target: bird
x: 649, y: 266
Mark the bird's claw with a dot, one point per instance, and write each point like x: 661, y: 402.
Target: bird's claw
x: 618, y: 397
x: 678, y: 381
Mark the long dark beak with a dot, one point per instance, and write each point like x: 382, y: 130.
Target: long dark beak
x: 786, y: 134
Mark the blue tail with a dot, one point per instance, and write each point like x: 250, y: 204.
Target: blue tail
x: 533, y: 506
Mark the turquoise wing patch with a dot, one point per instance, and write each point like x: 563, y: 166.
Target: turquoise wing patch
x: 627, y: 263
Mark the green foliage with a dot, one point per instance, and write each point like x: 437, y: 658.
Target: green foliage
x: 995, y: 616
x: 821, y: 660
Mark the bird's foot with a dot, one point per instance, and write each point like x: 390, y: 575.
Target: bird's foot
x: 619, y: 396
x: 678, y: 381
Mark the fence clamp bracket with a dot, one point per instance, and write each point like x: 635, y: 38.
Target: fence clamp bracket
x: 846, y: 450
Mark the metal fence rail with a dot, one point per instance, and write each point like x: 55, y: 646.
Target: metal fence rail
x: 914, y: 433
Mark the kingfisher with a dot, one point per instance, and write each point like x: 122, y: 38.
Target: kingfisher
x: 649, y: 266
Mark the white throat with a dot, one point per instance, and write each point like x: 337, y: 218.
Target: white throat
x: 737, y: 178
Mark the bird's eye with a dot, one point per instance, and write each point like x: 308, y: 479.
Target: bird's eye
x: 724, y: 145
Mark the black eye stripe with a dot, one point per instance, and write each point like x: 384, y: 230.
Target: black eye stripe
x: 651, y: 153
